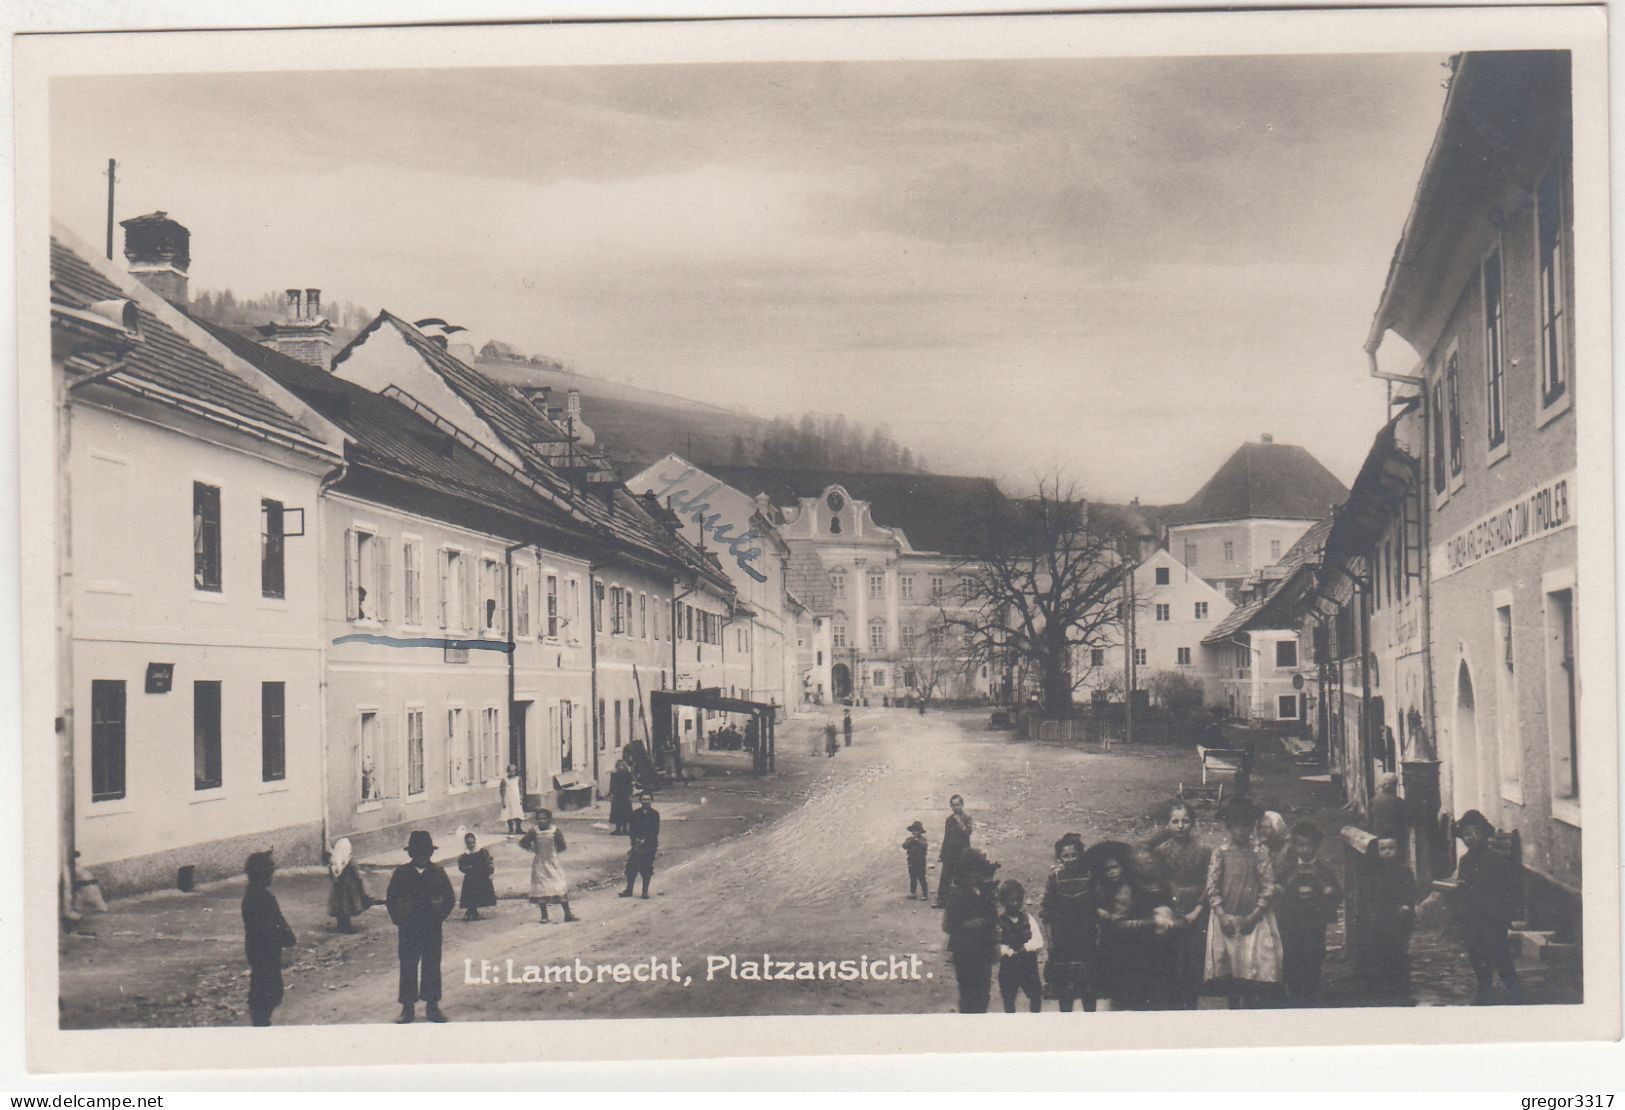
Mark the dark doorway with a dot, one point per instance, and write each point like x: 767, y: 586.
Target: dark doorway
x: 840, y: 679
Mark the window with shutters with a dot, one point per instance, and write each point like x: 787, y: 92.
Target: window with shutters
x: 490, y: 745
x: 367, y: 753
x: 573, y: 613
x: 412, y: 583
x: 567, y: 736
x: 366, y: 575
x: 456, y: 591
x: 273, y: 568
x: 459, y: 749
x: 416, y: 779
x: 550, y: 626
x: 1452, y: 389
x: 600, y: 722
x: 273, y: 732
x: 1551, y: 229
x: 617, y: 724
x: 206, y: 537
x: 206, y: 768
x: 643, y: 616
x: 493, y: 598
x: 598, y: 606
x: 521, y: 602
x: 1494, y: 353
x: 107, y: 740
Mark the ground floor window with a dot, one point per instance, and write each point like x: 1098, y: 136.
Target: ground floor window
x: 880, y: 678
x: 107, y: 740
x: 1561, y: 709
x: 415, y: 777
x: 1286, y: 707
x: 459, y: 745
x: 367, y: 753
x: 273, y: 732
x: 490, y: 740
x: 206, y: 769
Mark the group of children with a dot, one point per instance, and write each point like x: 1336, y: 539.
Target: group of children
x: 1158, y: 925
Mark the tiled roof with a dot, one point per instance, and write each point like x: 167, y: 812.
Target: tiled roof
x: 385, y: 435
x: 1305, y: 552
x: 1268, y: 480
x: 805, y: 576
x: 164, y: 357
x: 529, y: 434
x: 937, y: 512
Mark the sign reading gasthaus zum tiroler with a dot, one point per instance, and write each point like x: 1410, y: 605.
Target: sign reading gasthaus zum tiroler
x: 1546, y: 509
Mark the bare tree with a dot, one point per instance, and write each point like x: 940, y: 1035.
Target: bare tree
x: 932, y: 658
x: 1043, y: 586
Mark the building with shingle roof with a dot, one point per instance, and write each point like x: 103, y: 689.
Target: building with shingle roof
x: 1254, y: 508
x: 188, y: 665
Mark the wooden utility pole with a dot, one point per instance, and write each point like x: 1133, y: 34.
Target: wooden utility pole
x: 112, y: 179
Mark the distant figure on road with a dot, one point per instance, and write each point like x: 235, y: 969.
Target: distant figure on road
x: 831, y: 744
x: 478, y: 891
x: 548, y: 883
x: 347, y: 897
x: 620, y: 798
x: 956, y: 833
x: 970, y: 919
x: 419, y: 901
x: 645, y: 832
x: 265, y: 935
x: 915, y: 846
x: 846, y: 725
x: 513, y: 800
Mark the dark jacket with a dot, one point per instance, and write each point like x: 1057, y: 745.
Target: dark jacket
x: 620, y: 796
x: 1489, y: 891
x: 265, y: 930
x: 419, y: 902
x: 1308, y: 894
x: 644, y: 828
x: 956, y: 836
x: 971, y: 921
x: 915, y: 846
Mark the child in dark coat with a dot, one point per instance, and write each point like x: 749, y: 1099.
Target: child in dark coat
x: 1020, y: 942
x: 1068, y: 911
x: 1305, y: 904
x: 915, y: 848
x: 1485, y: 908
x: 265, y: 935
x: 970, y: 919
x: 1393, y: 917
x: 479, y: 892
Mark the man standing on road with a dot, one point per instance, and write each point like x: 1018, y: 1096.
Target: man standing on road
x: 955, y: 842
x: 830, y: 745
x: 644, y: 828
x: 419, y: 900
x: 846, y: 725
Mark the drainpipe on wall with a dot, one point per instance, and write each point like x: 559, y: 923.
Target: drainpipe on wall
x: 516, y: 754
x: 67, y: 872
x: 676, y: 733
x: 1364, y: 589
x: 332, y: 479
x: 592, y: 657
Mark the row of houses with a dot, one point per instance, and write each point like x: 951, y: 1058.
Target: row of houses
x: 1429, y: 627
x: 365, y: 583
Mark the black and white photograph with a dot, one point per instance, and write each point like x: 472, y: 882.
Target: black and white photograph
x: 1098, y: 516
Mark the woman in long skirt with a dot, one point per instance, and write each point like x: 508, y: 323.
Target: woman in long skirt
x: 479, y: 892
x: 347, y: 896
x: 1243, y: 944
x: 547, y: 880
x: 620, y: 798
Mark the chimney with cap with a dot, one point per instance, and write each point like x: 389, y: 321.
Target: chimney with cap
x: 159, y: 251
x: 303, y: 332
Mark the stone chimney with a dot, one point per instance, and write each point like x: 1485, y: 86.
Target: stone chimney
x: 159, y: 251
x: 303, y: 332
x: 1266, y: 438
x: 572, y: 416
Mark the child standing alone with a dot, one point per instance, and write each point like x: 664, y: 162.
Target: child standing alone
x: 1243, y: 942
x: 1020, y: 942
x: 1484, y: 913
x: 915, y: 847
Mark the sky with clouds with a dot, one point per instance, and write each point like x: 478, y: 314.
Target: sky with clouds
x: 1118, y: 268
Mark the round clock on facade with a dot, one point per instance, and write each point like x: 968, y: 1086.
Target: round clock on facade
x: 834, y: 501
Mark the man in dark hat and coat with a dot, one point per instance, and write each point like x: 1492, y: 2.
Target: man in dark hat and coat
x: 846, y: 725
x: 970, y: 919
x: 265, y: 935
x: 419, y: 900
x: 644, y: 829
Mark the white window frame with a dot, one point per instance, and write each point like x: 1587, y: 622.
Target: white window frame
x: 1164, y: 612
x: 877, y: 625
x: 369, y: 570
x: 498, y: 624
x: 1544, y: 412
x: 877, y: 586
x: 1508, y: 733
x: 1200, y: 611
x: 521, y: 601
x: 421, y: 711
x: 456, y: 750
x: 364, y: 803
x: 1495, y: 452
x: 1565, y: 806
x: 1280, y: 699
x: 452, y: 570
x: 1182, y: 657
x: 1457, y: 478
x: 411, y: 580
x: 489, y: 751
x: 905, y: 587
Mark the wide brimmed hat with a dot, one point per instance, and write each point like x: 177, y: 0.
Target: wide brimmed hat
x: 975, y: 864
x: 419, y: 841
x: 916, y: 828
x: 1471, y: 818
x: 259, y: 863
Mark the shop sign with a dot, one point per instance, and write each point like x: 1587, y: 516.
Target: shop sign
x: 1543, y: 511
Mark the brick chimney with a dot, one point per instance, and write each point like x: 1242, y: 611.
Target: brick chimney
x: 303, y: 332
x: 159, y: 251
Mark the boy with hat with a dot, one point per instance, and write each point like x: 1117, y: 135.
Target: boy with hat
x: 419, y: 900
x: 915, y: 847
x: 644, y: 829
x: 265, y: 935
x: 1487, y: 903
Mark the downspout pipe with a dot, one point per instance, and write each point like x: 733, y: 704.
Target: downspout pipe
x: 333, y: 478
x: 516, y: 753
x: 593, y: 616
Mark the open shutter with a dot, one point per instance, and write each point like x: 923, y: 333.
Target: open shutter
x: 351, y: 574
x: 472, y: 616
x: 391, y: 751
x: 453, y: 749
x: 381, y: 545
x: 502, y: 601
x: 445, y: 586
